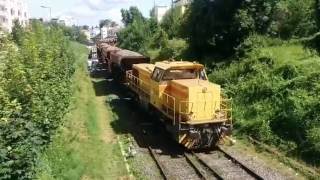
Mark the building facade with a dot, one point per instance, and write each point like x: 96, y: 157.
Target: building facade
x: 11, y: 10
x: 109, y: 32
x: 160, y: 11
x: 94, y: 31
x: 182, y: 4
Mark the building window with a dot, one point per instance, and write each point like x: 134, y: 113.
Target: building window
x: 3, y: 19
x: 12, y: 12
x: 19, y: 13
x: 25, y: 14
x: 2, y: 8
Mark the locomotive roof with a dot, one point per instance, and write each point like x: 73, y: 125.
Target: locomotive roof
x: 103, y: 45
x: 146, y: 67
x: 178, y: 64
x: 125, y: 52
x: 110, y: 48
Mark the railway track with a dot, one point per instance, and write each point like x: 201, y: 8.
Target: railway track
x: 184, y: 167
x: 154, y: 156
x: 243, y: 166
x: 222, y: 165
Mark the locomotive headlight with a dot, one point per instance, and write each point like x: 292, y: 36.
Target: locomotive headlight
x: 204, y: 90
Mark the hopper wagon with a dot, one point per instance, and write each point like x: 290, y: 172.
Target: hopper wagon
x: 122, y: 61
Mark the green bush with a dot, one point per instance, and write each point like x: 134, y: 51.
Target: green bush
x: 174, y: 49
x: 35, y: 92
x: 276, y: 98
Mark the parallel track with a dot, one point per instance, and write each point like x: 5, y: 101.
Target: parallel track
x: 243, y: 166
x: 201, y: 167
x: 214, y: 172
x: 195, y: 167
x: 154, y: 156
x: 189, y: 160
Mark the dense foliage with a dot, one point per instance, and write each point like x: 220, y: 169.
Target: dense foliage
x: 218, y: 27
x: 147, y: 35
x: 35, y: 81
x: 265, y: 53
x: 276, y: 96
x: 73, y: 33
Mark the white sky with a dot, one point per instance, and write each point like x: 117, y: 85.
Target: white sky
x: 90, y: 11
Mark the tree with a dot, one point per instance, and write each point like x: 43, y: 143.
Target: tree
x: 85, y: 27
x: 171, y: 22
x: 209, y: 26
x: 128, y: 16
x: 135, y: 37
x: 106, y: 22
x: 160, y: 39
x: 294, y: 18
x: 17, y: 32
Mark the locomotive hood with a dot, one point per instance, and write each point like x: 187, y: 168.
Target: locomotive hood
x: 197, y: 98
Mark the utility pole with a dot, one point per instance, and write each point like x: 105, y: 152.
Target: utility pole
x: 47, y: 7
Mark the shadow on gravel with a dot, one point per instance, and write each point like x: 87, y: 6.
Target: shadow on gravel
x: 130, y: 119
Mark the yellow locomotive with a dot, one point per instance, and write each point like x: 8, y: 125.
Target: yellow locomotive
x: 192, y: 108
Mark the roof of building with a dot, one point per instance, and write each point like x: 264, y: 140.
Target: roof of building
x: 178, y: 65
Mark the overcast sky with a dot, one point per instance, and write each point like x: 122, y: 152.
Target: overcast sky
x: 90, y: 11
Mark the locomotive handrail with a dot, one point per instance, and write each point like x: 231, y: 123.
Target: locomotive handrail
x: 136, y: 83
x: 167, y: 106
x: 169, y: 102
x: 226, y: 106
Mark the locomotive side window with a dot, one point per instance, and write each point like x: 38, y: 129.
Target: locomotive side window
x: 157, y: 74
x: 203, y: 75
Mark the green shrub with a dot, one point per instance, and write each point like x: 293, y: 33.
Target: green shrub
x: 35, y: 91
x: 276, y: 97
x: 174, y: 50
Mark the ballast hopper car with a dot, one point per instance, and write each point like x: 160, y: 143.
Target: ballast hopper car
x: 122, y: 61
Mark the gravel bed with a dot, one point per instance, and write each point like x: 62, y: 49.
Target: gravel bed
x: 259, y: 166
x: 176, y: 166
x: 145, y: 165
x: 224, y: 167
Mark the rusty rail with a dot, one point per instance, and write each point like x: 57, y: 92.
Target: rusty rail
x: 250, y: 171
x: 163, y: 173
x: 214, y: 172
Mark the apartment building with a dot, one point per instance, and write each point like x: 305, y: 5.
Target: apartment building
x: 109, y: 32
x: 160, y: 11
x: 11, y: 10
x: 183, y: 4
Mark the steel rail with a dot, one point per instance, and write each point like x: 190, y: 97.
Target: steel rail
x: 159, y: 165
x: 213, y: 171
x: 243, y: 166
x: 198, y: 171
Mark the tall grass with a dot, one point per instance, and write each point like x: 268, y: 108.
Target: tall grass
x: 78, y: 151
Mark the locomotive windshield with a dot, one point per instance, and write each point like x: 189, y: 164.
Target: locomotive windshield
x: 180, y: 74
x: 176, y: 74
